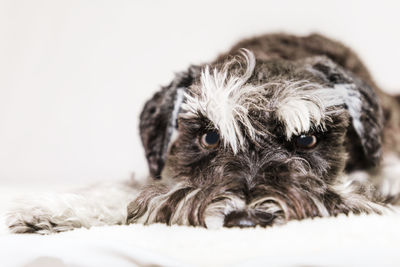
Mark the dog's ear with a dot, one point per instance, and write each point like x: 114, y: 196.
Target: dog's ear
x: 365, y: 131
x: 158, y: 119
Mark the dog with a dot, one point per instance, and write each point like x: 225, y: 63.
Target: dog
x: 278, y: 128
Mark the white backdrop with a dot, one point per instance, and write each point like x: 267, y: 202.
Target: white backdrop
x: 74, y: 74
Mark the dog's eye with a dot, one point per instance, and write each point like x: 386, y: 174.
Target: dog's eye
x: 306, y: 141
x: 210, y: 139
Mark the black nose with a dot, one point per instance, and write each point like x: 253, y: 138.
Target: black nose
x: 245, y: 219
x: 239, y: 219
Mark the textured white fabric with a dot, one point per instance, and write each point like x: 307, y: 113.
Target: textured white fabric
x: 343, y: 241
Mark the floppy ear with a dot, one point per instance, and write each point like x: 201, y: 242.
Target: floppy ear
x: 365, y: 131
x: 158, y: 119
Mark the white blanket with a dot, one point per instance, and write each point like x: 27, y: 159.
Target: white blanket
x: 343, y: 241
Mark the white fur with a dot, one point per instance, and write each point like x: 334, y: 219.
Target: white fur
x: 216, y: 212
x: 157, y: 202
x: 303, y: 105
x: 347, y: 189
x: 224, y: 98
x: 104, y: 204
x: 177, y: 105
x: 388, y: 181
x: 181, y: 213
x: 351, y: 97
x: 275, y: 206
x: 320, y: 206
x: 271, y: 205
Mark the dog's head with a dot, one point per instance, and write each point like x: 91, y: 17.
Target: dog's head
x: 244, y: 142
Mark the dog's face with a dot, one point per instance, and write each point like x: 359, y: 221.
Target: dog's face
x: 247, y: 142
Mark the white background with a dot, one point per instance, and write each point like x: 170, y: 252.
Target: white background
x: 75, y: 74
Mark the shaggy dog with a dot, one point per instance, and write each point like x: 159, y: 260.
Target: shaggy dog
x: 278, y: 128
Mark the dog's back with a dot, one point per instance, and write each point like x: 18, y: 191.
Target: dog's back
x: 292, y: 47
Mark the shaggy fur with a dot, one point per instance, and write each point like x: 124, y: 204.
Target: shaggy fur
x: 262, y: 98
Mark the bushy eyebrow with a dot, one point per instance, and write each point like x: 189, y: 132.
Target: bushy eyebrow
x: 303, y: 106
x: 224, y: 98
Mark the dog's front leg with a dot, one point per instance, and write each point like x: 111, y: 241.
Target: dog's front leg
x: 103, y: 204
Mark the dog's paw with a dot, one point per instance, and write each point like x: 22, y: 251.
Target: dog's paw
x: 40, y: 221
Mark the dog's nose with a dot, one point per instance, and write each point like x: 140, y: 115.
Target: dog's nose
x: 245, y: 219
x: 239, y: 219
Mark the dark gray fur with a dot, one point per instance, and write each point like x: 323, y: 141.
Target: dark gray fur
x: 267, y: 167
x: 155, y: 120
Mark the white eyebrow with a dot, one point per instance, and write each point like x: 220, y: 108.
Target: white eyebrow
x: 224, y: 98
